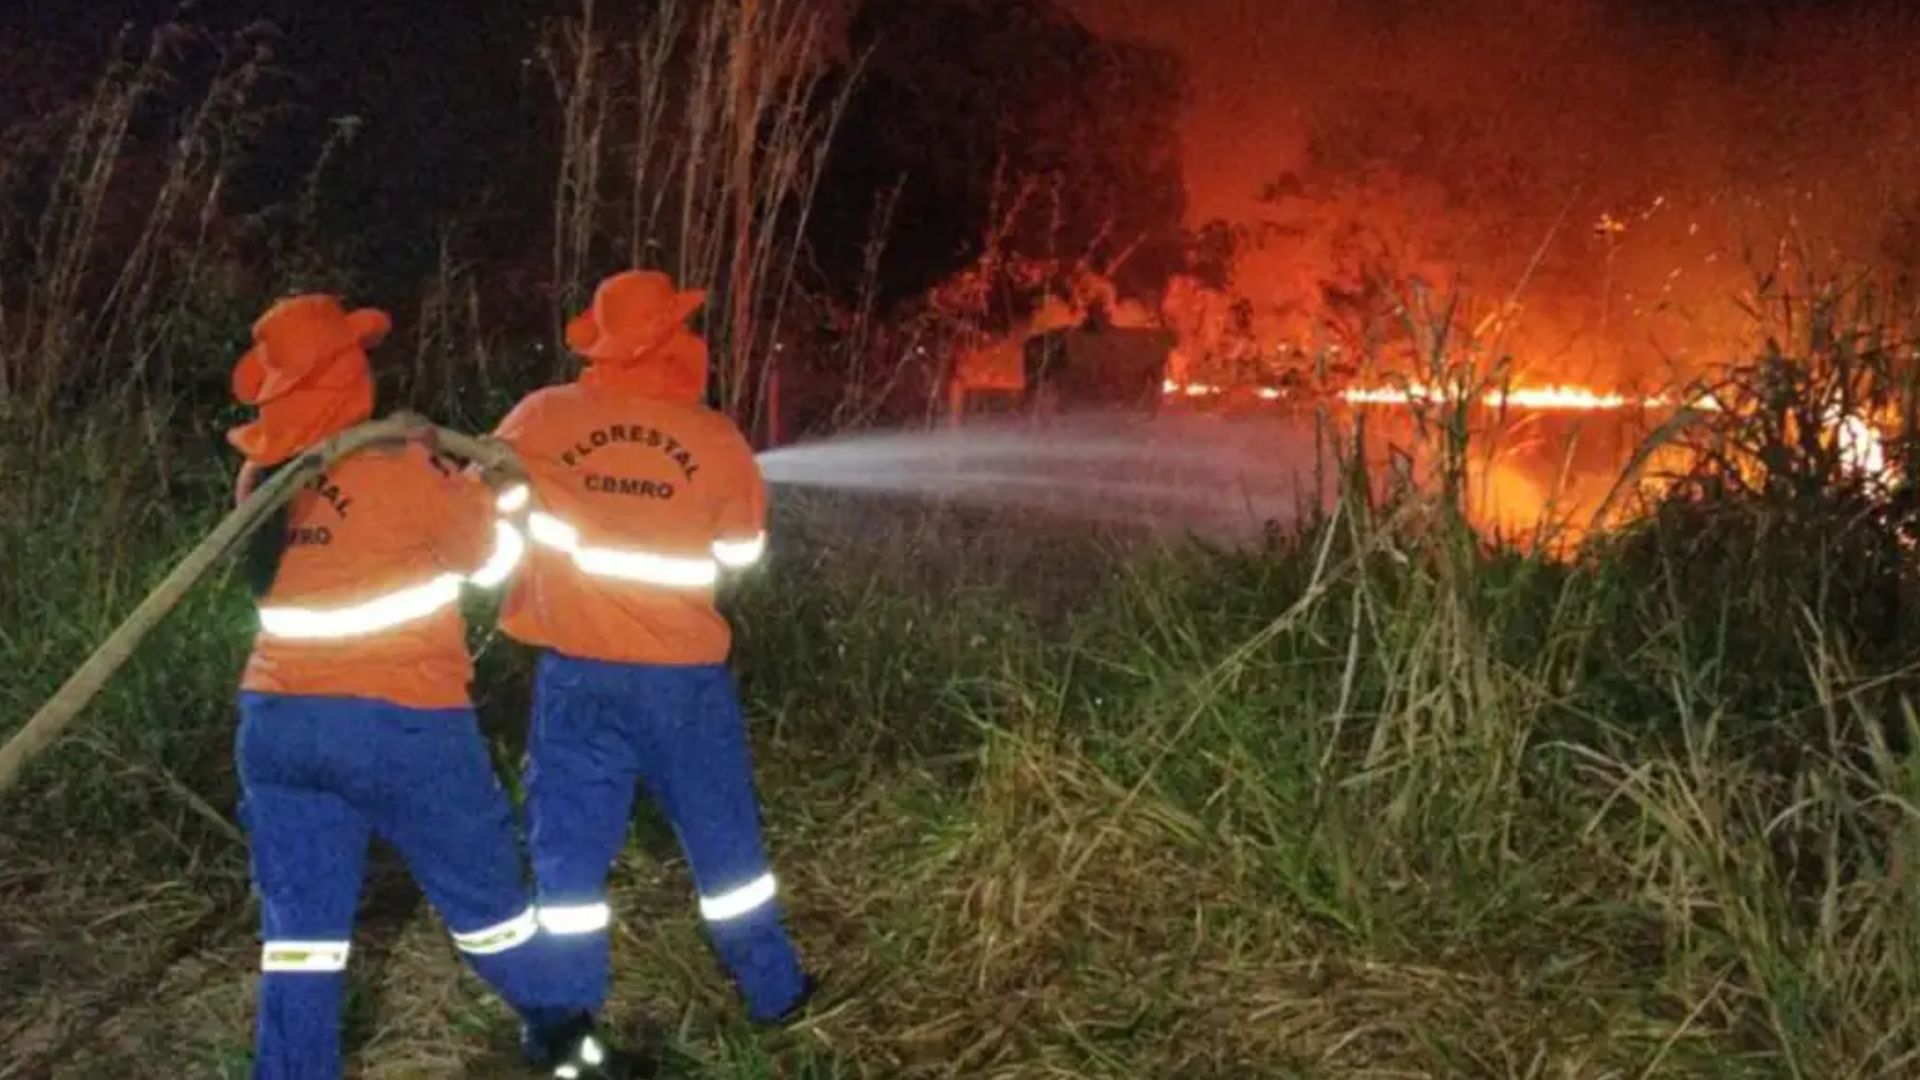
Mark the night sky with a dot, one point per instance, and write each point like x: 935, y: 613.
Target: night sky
x: 448, y: 95
x: 471, y: 88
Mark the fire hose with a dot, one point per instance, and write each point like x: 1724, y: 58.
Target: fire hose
x: 60, y: 711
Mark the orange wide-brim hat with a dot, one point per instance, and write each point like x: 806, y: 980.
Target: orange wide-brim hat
x: 307, y: 373
x: 633, y: 313
x: 296, y: 340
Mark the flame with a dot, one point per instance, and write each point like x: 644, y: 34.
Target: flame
x: 1387, y: 395
x: 1560, y: 397
x: 1556, y: 398
x: 1200, y: 390
x: 1173, y: 388
x: 1862, y: 445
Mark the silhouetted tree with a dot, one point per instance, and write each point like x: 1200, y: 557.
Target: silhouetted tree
x: 964, y: 103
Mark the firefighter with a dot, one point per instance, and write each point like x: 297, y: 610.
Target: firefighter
x: 642, y: 497
x: 355, y: 719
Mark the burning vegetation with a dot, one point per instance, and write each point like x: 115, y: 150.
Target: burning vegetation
x: 1619, y: 186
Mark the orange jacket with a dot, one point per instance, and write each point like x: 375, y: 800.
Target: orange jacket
x: 639, y: 505
x: 366, y: 603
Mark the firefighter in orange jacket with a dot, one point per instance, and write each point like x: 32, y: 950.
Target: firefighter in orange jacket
x: 642, y: 498
x: 355, y: 718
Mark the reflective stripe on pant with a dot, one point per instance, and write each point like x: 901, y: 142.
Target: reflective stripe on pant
x: 308, y: 851
x: 597, y: 729
x: 319, y: 777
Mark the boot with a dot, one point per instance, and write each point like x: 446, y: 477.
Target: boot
x: 809, y: 986
x: 575, y: 1050
x: 592, y: 1057
x: 545, y: 1046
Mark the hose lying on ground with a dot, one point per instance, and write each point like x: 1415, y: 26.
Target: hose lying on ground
x: 59, y: 712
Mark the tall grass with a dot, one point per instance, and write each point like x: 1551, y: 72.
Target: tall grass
x: 107, y: 216
x: 696, y: 148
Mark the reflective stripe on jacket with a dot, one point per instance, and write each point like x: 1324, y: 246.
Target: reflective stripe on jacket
x: 366, y: 601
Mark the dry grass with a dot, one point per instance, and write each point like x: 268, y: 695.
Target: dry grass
x: 696, y: 148
x: 954, y: 944
x: 111, y: 207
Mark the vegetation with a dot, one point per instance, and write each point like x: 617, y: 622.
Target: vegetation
x: 1381, y: 799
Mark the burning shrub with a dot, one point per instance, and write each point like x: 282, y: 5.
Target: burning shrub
x: 1796, y: 495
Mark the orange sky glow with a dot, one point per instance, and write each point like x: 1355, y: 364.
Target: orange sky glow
x: 1625, y: 178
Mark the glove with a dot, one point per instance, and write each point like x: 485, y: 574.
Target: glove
x: 244, y: 483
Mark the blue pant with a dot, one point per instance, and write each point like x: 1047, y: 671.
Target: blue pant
x: 598, y: 728
x: 319, y: 776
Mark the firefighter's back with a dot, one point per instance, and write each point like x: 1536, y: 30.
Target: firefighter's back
x: 365, y: 603
x: 640, y: 503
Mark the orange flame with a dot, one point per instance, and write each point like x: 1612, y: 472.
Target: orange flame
x: 1555, y: 398
x: 1862, y: 445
